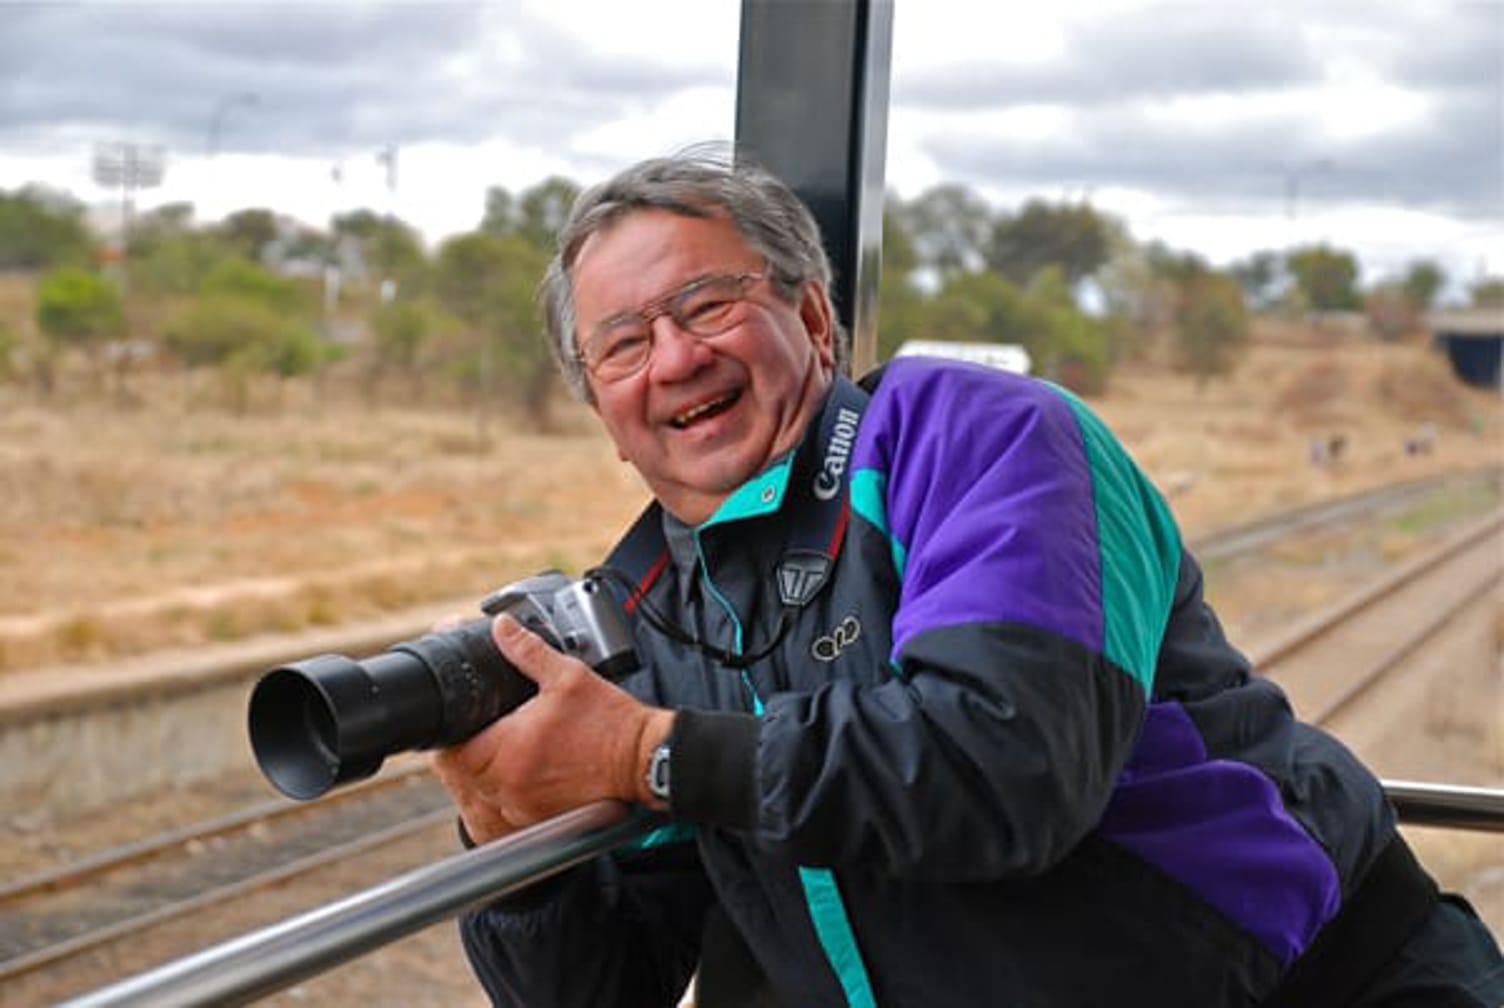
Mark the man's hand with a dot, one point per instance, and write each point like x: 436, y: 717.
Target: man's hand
x: 580, y: 739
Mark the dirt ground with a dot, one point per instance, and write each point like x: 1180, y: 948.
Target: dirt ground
x: 173, y: 523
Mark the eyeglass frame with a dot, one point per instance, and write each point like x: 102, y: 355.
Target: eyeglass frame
x: 664, y: 305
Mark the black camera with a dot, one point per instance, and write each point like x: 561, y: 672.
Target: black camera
x: 330, y: 720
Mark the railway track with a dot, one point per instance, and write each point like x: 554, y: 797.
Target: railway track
x: 79, y: 926
x: 1331, y: 661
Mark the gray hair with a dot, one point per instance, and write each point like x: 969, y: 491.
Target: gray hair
x: 701, y: 181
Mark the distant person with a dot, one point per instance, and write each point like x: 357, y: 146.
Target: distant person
x: 1336, y: 448
x: 932, y: 705
x: 1318, y: 451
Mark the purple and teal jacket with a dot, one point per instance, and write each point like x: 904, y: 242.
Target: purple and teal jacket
x: 998, y: 750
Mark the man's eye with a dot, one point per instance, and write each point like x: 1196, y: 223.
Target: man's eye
x: 618, y: 346
x: 708, y: 308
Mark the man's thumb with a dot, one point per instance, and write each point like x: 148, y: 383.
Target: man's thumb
x: 524, y: 649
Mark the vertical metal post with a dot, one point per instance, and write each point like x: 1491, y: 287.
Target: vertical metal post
x: 812, y: 106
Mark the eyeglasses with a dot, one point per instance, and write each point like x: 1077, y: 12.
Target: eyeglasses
x: 620, y: 346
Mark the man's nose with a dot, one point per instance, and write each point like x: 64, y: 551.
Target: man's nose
x: 676, y: 351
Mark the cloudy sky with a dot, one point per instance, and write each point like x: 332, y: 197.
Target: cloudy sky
x: 1220, y: 126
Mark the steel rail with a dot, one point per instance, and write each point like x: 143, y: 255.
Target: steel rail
x: 150, y: 848
x: 49, y: 955
x: 1370, y: 676
x: 302, y: 946
x: 1266, y: 656
x: 264, y: 961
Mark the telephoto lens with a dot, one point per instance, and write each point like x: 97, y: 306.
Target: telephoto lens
x: 330, y: 720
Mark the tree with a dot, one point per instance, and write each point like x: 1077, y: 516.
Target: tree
x: 78, y: 309
x: 1209, y: 313
x: 536, y: 216
x: 949, y: 226
x: 500, y: 218
x: 243, y: 336
x: 42, y: 229
x: 1327, y: 277
x: 488, y: 282
x: 1424, y: 278
x: 10, y: 346
x: 249, y: 232
x: 1488, y: 293
x: 899, y: 301
x: 240, y: 278
x: 1211, y: 324
x: 389, y: 248
x: 399, y: 329
x: 1260, y: 275
x: 1071, y: 236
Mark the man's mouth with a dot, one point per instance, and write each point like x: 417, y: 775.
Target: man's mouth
x: 703, y: 410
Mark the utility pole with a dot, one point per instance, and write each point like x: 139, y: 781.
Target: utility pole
x: 387, y: 158
x: 222, y: 109
x: 127, y: 167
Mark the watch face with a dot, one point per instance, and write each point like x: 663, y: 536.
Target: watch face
x: 658, y: 773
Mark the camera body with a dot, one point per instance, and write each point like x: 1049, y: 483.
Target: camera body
x: 330, y: 720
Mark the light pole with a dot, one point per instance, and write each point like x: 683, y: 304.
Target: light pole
x: 222, y: 109
x: 1293, y: 175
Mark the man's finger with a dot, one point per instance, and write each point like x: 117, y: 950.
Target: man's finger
x: 526, y: 650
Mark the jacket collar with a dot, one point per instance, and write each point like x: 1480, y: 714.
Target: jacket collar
x: 812, y: 477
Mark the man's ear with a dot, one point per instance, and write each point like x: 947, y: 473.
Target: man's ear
x: 815, y: 313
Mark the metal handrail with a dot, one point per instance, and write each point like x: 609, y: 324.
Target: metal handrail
x: 262, y: 962
x: 1469, y: 808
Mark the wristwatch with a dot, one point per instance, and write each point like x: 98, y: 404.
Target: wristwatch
x: 658, y: 783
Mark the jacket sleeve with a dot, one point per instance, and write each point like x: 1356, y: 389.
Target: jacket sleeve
x: 623, y: 929
x: 1036, y: 573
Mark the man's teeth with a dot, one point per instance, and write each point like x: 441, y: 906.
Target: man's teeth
x: 690, y: 416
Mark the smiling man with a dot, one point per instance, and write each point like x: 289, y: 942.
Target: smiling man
x: 929, y: 693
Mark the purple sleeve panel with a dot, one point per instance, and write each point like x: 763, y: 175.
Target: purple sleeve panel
x: 989, y: 498
x: 1219, y: 828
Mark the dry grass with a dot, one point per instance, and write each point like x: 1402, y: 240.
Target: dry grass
x: 127, y: 531
x: 173, y: 524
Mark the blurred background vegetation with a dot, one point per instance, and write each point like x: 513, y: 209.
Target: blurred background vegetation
x: 243, y: 305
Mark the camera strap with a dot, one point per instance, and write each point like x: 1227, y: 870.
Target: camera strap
x: 819, y: 502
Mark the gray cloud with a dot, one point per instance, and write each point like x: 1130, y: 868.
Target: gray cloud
x: 342, y: 79
x: 328, y: 77
x: 1117, y: 73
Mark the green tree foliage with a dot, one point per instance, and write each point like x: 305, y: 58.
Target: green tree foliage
x: 1488, y: 293
x: 536, y: 216
x: 1071, y: 236
x: 1063, y: 342
x: 1209, y: 314
x: 241, y: 278
x: 248, y: 232
x: 1327, y: 277
x: 399, y: 331
x: 1423, y: 281
x: 488, y: 283
x: 949, y: 226
x: 41, y: 229
x: 79, y: 309
x: 1211, y: 324
x: 899, y: 301
x: 169, y: 256
x: 1139, y: 298
x: 10, y: 352
x: 76, y: 310
x: 243, y: 337
x: 176, y: 265
x: 389, y: 248
x: 1073, y: 347
x: 1389, y: 310
x: 1261, y: 276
